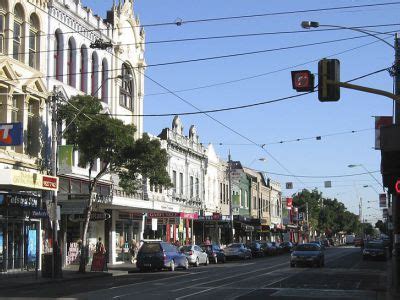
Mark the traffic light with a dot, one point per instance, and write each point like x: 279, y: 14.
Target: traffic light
x: 303, y: 81
x: 328, y: 70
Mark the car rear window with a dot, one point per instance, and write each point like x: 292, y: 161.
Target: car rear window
x: 235, y: 246
x: 374, y: 245
x: 150, y: 248
x: 308, y: 247
x: 186, y: 248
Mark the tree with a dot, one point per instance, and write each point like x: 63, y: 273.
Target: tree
x: 381, y: 226
x: 98, y: 136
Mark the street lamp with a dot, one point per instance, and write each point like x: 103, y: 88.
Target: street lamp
x: 372, y: 187
x: 313, y: 24
x: 369, y: 173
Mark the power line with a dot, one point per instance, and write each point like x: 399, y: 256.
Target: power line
x: 206, y: 38
x: 232, y: 107
x: 263, y: 74
x: 181, y: 22
x: 200, y: 59
x: 317, y: 137
x: 321, y: 176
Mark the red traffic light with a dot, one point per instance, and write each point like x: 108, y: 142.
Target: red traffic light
x: 303, y: 81
x: 397, y: 186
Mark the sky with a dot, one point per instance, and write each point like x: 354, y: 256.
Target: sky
x: 297, y: 118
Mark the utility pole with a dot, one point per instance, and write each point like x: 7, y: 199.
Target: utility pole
x: 395, y: 197
x: 230, y: 194
x: 308, y: 224
x: 56, y: 268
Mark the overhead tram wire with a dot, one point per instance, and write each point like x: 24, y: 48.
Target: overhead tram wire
x: 232, y: 107
x: 217, y: 19
x: 317, y: 137
x: 263, y: 74
x: 199, y: 59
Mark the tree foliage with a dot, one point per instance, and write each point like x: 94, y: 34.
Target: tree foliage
x: 98, y: 136
x: 327, y: 216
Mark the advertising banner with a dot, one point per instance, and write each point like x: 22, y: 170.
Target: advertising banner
x: 11, y: 134
x: 379, y: 122
x: 382, y: 200
x: 31, y: 245
x: 289, y: 203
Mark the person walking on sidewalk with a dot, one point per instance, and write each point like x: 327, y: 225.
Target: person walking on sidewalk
x: 134, y: 249
x: 100, y: 247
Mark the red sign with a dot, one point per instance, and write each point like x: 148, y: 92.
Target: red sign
x: 289, y: 202
x: 189, y: 215
x: 397, y: 186
x: 302, y: 81
x: 182, y: 215
x: 50, y: 182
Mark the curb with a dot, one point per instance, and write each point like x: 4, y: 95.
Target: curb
x: 23, y: 284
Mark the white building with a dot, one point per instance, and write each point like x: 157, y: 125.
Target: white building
x: 211, y: 197
x: 75, y: 66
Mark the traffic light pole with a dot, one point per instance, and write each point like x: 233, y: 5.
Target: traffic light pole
x: 395, y: 197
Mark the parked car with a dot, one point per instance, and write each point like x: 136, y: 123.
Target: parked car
x: 319, y: 243
x: 215, y: 253
x: 350, y: 239
x: 237, y: 250
x: 160, y: 255
x: 256, y: 249
x: 279, y: 249
x: 307, y: 254
x: 358, y: 242
x: 286, y: 246
x: 195, y: 255
x: 375, y: 249
x: 268, y: 248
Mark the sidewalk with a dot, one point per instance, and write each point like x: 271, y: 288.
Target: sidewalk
x: 70, y: 273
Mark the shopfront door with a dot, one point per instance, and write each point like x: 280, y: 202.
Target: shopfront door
x: 15, y: 247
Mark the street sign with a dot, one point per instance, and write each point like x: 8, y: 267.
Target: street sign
x: 302, y: 81
x: 328, y: 184
x: 289, y: 185
x: 11, y: 134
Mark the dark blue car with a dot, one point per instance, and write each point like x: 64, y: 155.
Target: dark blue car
x: 215, y: 253
x: 156, y: 255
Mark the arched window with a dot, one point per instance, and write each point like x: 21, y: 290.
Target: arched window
x: 104, y: 81
x: 95, y: 75
x: 126, y: 91
x: 34, y: 41
x: 84, y: 68
x: 18, y: 33
x: 58, y: 55
x: 71, y: 62
x: 3, y: 12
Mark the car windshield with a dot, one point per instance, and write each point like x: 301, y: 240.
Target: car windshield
x: 206, y: 247
x: 186, y: 248
x: 374, y: 245
x: 150, y: 248
x: 307, y: 247
x: 235, y: 246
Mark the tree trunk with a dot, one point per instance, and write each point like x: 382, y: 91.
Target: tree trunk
x: 84, y: 245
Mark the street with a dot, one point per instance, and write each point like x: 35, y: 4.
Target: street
x: 345, y: 276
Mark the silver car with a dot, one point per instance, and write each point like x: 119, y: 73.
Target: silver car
x: 237, y: 250
x: 195, y: 255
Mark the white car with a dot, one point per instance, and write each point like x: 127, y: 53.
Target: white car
x: 195, y: 255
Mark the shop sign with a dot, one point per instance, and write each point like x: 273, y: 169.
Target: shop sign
x: 28, y: 180
x: 94, y: 216
x: 189, y: 215
x: 11, y: 134
x: 19, y: 200
x: 71, y: 207
x: 154, y: 222
x: 39, y: 214
x: 163, y: 215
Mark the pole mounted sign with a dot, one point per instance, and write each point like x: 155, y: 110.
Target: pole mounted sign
x: 11, y: 134
x: 397, y: 186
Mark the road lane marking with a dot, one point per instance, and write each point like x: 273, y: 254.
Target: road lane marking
x: 213, y: 288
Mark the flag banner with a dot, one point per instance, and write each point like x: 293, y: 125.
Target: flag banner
x: 382, y: 200
x: 65, y: 153
x: 379, y: 122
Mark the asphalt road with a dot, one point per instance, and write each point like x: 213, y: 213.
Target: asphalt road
x: 345, y: 276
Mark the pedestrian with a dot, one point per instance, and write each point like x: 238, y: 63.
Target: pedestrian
x: 100, y: 247
x: 134, y: 249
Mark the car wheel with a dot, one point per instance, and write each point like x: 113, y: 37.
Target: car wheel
x: 172, y: 266
x: 186, y: 266
x: 207, y: 261
x: 197, y: 262
x: 215, y: 260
